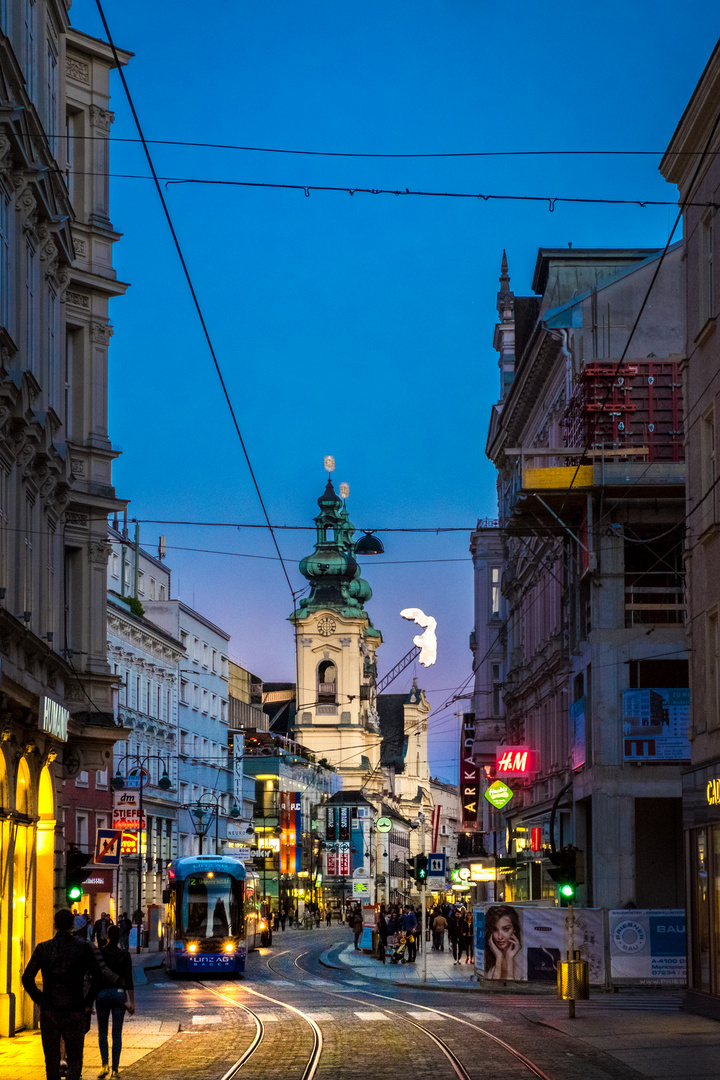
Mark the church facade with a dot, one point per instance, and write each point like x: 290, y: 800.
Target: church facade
x: 378, y: 744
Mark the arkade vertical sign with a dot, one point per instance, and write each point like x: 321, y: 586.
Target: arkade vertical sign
x: 469, y: 771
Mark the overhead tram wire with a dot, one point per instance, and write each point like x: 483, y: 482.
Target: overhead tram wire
x: 196, y: 301
x: 378, y: 156
x: 346, y: 189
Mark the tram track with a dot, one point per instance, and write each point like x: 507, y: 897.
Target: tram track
x: 314, y: 1059
x: 458, y: 1066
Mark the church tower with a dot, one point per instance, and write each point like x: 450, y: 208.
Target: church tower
x: 337, y: 717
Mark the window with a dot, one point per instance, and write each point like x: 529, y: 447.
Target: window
x: 141, y: 583
x: 327, y: 683
x: 115, y: 565
x: 162, y: 593
x: 152, y: 588
x: 28, y: 582
x: 53, y: 354
x: 50, y: 584
x: 82, y: 779
x: 101, y: 821
x: 29, y: 30
x: 51, y: 90
x: 31, y: 290
x: 4, y: 483
x: 101, y: 779
x: 183, y: 691
x: 214, y: 660
x: 204, y: 701
x: 6, y: 219
x: 654, y: 575
x: 495, y: 592
x: 707, y: 273
x: 81, y: 830
x: 708, y: 471
x: 712, y: 683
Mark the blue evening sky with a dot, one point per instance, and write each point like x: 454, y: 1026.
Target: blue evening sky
x: 360, y: 327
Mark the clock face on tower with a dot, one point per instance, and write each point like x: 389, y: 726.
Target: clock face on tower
x: 326, y: 626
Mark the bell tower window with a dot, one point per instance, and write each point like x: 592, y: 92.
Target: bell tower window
x: 327, y: 683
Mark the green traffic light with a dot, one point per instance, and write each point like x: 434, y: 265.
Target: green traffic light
x: 74, y: 892
x: 567, y: 890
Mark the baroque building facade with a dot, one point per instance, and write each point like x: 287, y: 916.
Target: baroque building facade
x: 377, y: 744
x: 57, y: 696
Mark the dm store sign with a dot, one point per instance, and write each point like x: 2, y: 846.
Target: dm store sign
x: 648, y: 946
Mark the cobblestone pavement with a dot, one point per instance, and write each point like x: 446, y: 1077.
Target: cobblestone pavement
x: 201, y: 1033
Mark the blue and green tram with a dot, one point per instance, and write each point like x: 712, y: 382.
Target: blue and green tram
x: 212, y: 915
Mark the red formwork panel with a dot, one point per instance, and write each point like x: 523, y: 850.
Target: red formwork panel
x: 636, y: 404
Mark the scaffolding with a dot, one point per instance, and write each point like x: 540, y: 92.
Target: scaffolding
x: 637, y: 404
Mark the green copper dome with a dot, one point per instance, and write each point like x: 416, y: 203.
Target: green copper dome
x: 331, y: 569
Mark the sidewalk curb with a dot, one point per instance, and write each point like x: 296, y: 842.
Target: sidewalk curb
x: 326, y: 961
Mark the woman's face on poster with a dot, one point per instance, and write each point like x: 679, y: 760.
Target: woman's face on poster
x: 504, y: 933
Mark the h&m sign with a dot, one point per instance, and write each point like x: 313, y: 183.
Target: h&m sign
x: 53, y: 718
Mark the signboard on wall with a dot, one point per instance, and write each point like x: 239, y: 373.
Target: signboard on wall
x: 469, y: 771
x: 514, y: 761
x: 126, y: 811
x: 291, y: 831
x: 526, y: 943
x: 648, y: 946
x: 655, y: 725
x: 577, y: 732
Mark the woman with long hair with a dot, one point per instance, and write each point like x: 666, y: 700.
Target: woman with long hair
x: 111, y: 1000
x: 503, y: 942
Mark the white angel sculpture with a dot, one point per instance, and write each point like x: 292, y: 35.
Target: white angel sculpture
x: 427, y: 642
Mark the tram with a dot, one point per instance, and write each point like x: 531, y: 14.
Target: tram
x: 212, y: 915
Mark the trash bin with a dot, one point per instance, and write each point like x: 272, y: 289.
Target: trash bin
x: 573, y: 980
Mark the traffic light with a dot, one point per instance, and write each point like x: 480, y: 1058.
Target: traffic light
x: 411, y: 865
x: 564, y: 872
x: 421, y: 862
x: 75, y: 873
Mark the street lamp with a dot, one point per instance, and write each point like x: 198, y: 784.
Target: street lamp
x: 118, y: 782
x: 202, y: 814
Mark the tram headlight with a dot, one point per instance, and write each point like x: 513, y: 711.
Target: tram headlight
x: 229, y: 947
x: 192, y: 946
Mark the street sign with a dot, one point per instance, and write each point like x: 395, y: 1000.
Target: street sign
x: 242, y: 853
x: 107, y: 847
x: 383, y: 824
x: 137, y: 777
x: 436, y: 865
x: 498, y: 794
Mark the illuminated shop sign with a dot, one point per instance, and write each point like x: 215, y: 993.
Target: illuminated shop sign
x: 469, y: 772
x: 713, y: 792
x: 498, y: 794
x: 514, y: 761
x: 53, y: 719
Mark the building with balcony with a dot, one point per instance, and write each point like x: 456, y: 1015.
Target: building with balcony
x: 587, y: 438
x: 692, y: 163
x: 56, y: 280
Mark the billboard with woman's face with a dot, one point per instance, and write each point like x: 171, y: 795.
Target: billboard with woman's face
x: 526, y: 943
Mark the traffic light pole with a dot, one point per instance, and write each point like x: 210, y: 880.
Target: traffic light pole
x: 423, y: 905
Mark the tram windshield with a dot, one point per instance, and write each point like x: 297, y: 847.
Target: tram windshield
x: 212, y: 906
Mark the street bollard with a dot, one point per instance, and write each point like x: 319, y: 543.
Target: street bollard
x: 573, y: 981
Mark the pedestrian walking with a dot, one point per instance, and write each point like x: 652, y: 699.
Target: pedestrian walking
x: 466, y: 936
x: 125, y: 926
x: 65, y: 1006
x: 318, y: 917
x: 328, y: 916
x: 356, y: 925
x: 111, y: 999
x: 410, y: 927
x: 453, y: 922
x: 438, y: 932
x: 100, y: 930
x: 382, y: 929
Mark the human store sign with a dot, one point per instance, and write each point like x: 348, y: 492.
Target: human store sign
x: 514, y: 761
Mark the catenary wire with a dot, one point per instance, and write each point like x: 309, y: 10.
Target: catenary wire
x: 196, y: 301
x: 346, y: 189
x: 357, y: 154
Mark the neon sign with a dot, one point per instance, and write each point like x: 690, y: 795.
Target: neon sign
x: 514, y: 761
x: 713, y: 792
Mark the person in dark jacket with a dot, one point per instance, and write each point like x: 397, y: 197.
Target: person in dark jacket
x: 64, y: 961
x: 356, y: 925
x: 111, y: 999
